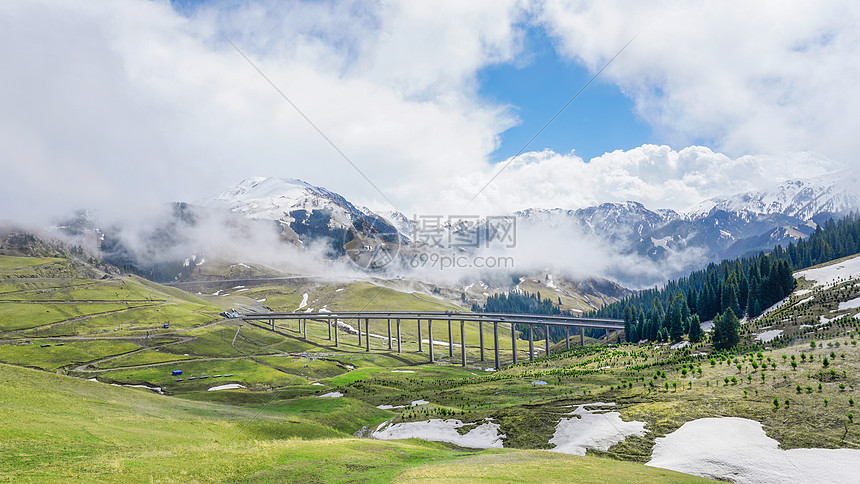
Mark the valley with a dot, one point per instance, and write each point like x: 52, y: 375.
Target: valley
x: 516, y: 241
x: 260, y: 393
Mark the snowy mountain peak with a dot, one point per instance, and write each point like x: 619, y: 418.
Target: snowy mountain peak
x: 803, y: 199
x: 275, y: 198
x: 256, y: 188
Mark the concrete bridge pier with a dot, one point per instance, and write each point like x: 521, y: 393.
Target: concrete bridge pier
x: 305, y: 328
x: 336, y: 341
x: 272, y: 321
x: 481, y: 335
x: 420, y: 347
x: 398, y: 336
x: 581, y: 336
x: 389, y: 334
x: 531, y: 342
x: 430, y: 336
x: 496, y: 340
x: 463, y: 343
x: 514, y: 340
x: 607, y: 335
x: 358, y: 323
x: 450, y: 341
x: 567, y: 336
x: 367, y: 333
x: 330, y: 322
x: 546, y: 338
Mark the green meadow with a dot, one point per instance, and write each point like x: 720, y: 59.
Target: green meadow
x: 57, y: 425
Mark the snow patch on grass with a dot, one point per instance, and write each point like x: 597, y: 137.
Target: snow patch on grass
x: 852, y: 304
x: 389, y: 407
x: 484, y: 436
x: 680, y: 345
x: 737, y: 449
x: 331, y: 395
x: 766, y: 336
x: 828, y: 275
x: 591, y: 430
x: 229, y: 386
x: 304, y: 301
x: 803, y: 301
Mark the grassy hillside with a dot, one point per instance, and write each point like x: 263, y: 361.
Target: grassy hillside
x: 801, y: 384
x: 59, y: 428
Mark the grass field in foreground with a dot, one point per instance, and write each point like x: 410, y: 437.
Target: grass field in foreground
x: 529, y: 466
x: 57, y: 428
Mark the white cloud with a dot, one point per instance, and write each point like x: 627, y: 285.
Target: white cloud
x: 126, y: 104
x: 656, y: 176
x: 751, y: 77
x: 122, y: 105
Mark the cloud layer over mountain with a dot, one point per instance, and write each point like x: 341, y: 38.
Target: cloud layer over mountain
x: 123, y: 105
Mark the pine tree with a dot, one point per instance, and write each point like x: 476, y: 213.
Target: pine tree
x: 726, y: 327
x: 629, y: 320
x: 696, y: 333
x: 673, y: 320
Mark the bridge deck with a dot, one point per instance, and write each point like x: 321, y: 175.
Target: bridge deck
x: 445, y: 316
x: 573, y: 321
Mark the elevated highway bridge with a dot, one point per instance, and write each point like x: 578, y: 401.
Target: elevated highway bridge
x: 331, y: 319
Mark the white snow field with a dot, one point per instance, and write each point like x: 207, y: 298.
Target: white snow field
x: 738, y: 450
x: 304, y: 301
x: 591, y: 430
x: 484, y: 436
x: 331, y: 395
x: 852, y: 304
x: 766, y: 336
x: 825, y: 276
x: 229, y: 386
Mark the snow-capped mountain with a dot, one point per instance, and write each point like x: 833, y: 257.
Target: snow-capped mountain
x: 718, y: 228
x: 304, y: 212
x: 614, y: 222
x: 802, y: 199
x: 277, y: 198
x: 301, y: 213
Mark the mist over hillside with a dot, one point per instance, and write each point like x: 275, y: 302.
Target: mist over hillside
x: 298, y: 228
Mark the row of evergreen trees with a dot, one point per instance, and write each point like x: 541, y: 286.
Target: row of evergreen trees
x: 518, y: 302
x: 524, y: 302
x: 732, y: 288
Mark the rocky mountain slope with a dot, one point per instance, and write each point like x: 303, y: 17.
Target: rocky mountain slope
x: 305, y: 215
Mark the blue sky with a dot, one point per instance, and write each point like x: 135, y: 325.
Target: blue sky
x: 146, y: 100
x: 535, y: 86
x: 600, y: 120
